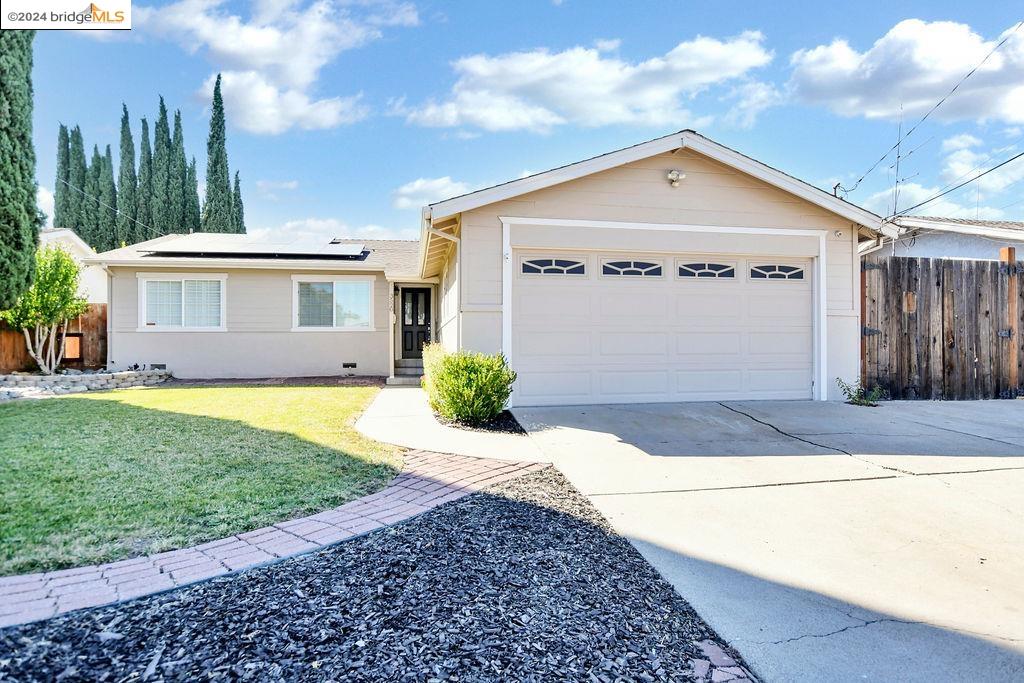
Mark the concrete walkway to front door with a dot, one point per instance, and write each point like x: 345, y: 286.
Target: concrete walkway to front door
x: 825, y: 542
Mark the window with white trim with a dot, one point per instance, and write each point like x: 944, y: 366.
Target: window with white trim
x: 553, y: 266
x: 181, y: 303
x: 712, y: 270
x: 334, y: 304
x: 631, y: 268
x: 776, y: 272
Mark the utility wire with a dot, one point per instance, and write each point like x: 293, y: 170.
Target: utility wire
x: 152, y: 231
x: 932, y: 110
x: 953, y: 189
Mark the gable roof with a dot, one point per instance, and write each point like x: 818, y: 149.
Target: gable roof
x: 1007, y: 230
x: 396, y: 258
x: 684, y: 139
x: 67, y: 237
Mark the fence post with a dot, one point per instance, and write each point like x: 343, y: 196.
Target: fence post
x: 1008, y: 257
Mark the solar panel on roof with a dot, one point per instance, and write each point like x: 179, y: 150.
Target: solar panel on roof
x: 212, y: 243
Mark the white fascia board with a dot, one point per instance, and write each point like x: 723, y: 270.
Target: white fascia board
x: 555, y: 176
x: 268, y: 264
x: 964, y: 229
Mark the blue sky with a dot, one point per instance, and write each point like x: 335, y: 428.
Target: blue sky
x: 346, y: 115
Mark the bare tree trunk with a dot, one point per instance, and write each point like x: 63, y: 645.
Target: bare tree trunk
x: 63, y: 343
x: 37, y: 357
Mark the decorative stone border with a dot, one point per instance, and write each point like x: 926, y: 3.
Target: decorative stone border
x: 86, y: 381
x: 427, y: 481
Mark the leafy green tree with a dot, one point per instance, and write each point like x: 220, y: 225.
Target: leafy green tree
x: 107, y: 222
x: 47, y: 305
x: 161, y: 173
x: 144, y: 196
x: 90, y: 216
x: 217, y: 214
x: 60, y: 183
x: 237, y: 209
x: 19, y: 217
x: 176, y: 178
x: 193, y: 213
x: 127, y: 185
x: 78, y: 177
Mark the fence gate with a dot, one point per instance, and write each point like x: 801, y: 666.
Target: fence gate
x: 943, y: 328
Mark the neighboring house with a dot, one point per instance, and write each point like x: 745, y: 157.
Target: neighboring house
x: 676, y: 269
x: 955, y: 238
x: 93, y: 280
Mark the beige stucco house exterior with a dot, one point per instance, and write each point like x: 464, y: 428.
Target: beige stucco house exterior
x: 676, y: 269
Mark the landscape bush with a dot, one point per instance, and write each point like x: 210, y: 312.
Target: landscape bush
x: 466, y: 387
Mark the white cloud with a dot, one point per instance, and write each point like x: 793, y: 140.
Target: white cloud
x: 271, y: 60
x: 271, y: 189
x: 323, y: 229
x: 44, y: 201
x: 423, y: 191
x: 607, y: 44
x: 752, y: 98
x: 948, y: 206
x: 964, y: 164
x: 912, y: 67
x: 962, y: 141
x: 538, y: 90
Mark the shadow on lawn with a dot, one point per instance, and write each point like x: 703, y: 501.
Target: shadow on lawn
x: 89, y: 479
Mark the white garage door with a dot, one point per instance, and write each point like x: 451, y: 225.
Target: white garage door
x: 614, y: 328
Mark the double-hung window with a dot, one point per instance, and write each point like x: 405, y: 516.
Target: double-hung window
x: 332, y: 303
x: 182, y: 302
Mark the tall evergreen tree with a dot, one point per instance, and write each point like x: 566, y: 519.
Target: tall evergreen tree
x: 107, y: 223
x: 19, y: 216
x: 217, y: 215
x: 90, y: 215
x: 78, y: 175
x: 193, y: 213
x: 237, y: 210
x: 60, y: 183
x: 162, y: 173
x: 126, y: 185
x: 176, y: 179
x: 144, y: 196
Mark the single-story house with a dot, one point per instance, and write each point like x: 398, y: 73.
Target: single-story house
x: 950, y: 238
x: 675, y: 269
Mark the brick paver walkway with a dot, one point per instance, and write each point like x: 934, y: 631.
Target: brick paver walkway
x: 428, y: 480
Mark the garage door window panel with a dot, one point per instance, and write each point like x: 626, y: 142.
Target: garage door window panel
x: 631, y: 268
x: 552, y: 266
x: 776, y: 271
x: 706, y: 270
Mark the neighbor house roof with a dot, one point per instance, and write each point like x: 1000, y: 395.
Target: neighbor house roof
x: 396, y: 258
x: 684, y: 139
x: 1009, y: 230
x: 68, y: 237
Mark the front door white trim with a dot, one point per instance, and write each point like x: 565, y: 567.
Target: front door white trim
x: 820, y: 292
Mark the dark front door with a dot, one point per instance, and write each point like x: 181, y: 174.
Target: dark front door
x: 415, y: 321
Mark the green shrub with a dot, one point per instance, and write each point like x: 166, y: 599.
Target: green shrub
x: 858, y: 395
x: 464, y: 386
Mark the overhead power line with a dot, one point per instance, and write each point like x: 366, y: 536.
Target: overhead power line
x: 957, y: 187
x: 152, y: 231
x: 932, y: 110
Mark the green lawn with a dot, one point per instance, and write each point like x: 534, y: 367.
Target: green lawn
x: 98, y: 477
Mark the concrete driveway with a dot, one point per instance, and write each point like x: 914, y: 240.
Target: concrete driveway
x: 824, y: 541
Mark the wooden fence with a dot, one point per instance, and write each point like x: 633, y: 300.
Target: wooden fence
x: 943, y: 328
x: 89, y: 329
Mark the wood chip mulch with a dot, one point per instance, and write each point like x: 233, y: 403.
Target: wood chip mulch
x: 525, y: 582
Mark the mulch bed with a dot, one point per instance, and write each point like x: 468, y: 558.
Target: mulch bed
x: 524, y: 582
x: 505, y: 423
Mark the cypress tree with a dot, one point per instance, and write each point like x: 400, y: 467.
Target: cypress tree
x: 144, y: 196
x: 193, y: 213
x: 19, y: 216
x: 108, y: 213
x: 217, y: 216
x: 126, y: 185
x: 237, y: 210
x: 78, y: 175
x: 176, y: 188
x: 90, y: 215
x: 161, y: 173
x: 60, y: 183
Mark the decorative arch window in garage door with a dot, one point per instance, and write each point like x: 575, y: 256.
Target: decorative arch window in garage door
x: 631, y: 268
x: 776, y: 272
x: 553, y: 266
x: 713, y: 270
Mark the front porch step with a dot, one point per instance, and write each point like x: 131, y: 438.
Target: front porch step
x: 409, y: 363
x: 403, y: 381
x: 409, y: 372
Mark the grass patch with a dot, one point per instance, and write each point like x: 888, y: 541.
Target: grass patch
x: 99, y: 477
